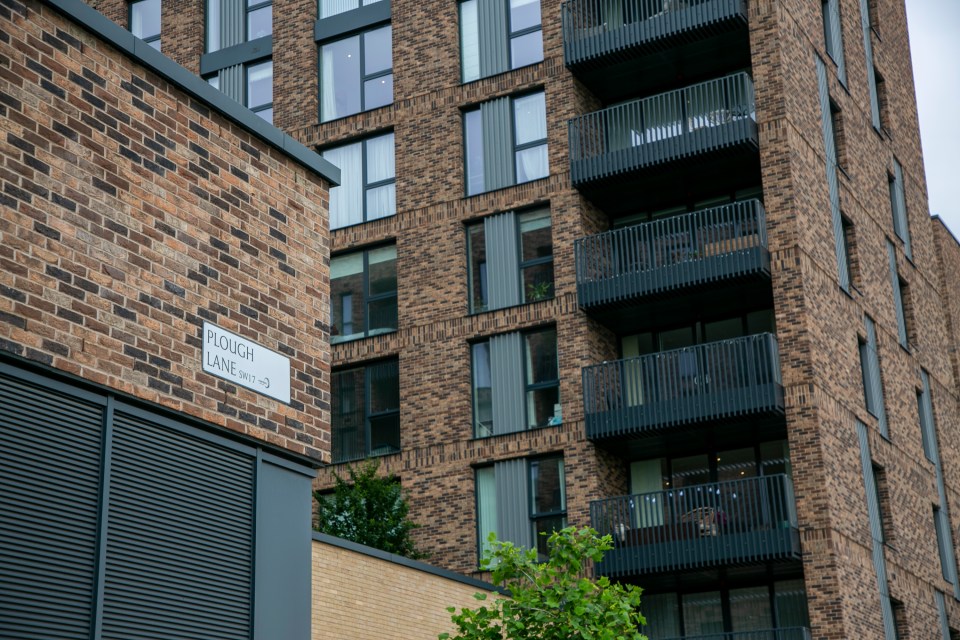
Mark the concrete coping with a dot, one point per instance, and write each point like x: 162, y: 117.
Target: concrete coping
x: 136, y: 49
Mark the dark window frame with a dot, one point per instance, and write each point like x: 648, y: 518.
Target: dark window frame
x: 257, y: 109
x: 510, y: 35
x: 367, y: 297
x: 365, y: 185
x: 361, y: 33
x: 368, y: 415
x: 536, y: 516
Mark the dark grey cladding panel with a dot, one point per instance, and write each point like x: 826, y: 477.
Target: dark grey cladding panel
x: 237, y: 54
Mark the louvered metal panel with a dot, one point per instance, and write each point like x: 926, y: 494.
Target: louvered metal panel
x: 179, y: 553
x: 928, y: 432
x: 496, y: 123
x: 50, y: 452
x: 875, y: 382
x: 897, y: 295
x: 833, y: 186
x: 513, y: 502
x: 233, y: 23
x: 506, y: 369
x: 503, y: 260
x: 232, y: 82
x: 492, y: 30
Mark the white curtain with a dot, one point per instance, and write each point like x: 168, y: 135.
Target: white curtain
x: 469, y: 40
x: 530, y: 124
x: 346, y: 200
x: 213, y: 25
x: 328, y: 97
x: 381, y: 201
x: 486, y: 506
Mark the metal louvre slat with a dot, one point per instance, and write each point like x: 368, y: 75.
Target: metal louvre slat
x: 178, y: 547
x: 36, y: 502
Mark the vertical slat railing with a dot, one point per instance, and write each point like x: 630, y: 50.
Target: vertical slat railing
x: 742, y: 520
x: 622, y: 263
x: 681, y: 386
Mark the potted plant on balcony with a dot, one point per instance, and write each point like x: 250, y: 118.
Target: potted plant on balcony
x: 538, y: 291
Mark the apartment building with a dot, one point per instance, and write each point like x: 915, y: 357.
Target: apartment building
x: 663, y: 267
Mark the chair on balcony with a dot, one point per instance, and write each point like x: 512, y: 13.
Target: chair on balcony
x: 703, y: 519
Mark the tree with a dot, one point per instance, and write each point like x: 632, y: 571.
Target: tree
x: 554, y: 600
x: 368, y: 509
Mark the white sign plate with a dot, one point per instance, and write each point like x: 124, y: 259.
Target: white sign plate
x: 228, y: 356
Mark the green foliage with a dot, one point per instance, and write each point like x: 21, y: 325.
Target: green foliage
x: 538, y: 291
x: 554, y: 600
x: 370, y: 510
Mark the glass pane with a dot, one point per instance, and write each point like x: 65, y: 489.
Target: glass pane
x: 260, y: 84
x: 378, y: 92
x: 532, y: 164
x: 213, y: 25
x: 524, y: 14
x: 214, y: 81
x: 346, y: 294
x: 541, y: 353
x: 722, y: 329
x: 486, y: 507
x: 791, y: 602
x: 546, y: 478
x: 469, y: 41
x: 155, y: 44
x: 482, y: 391
x: 750, y: 609
x: 736, y: 464
x: 383, y: 270
x: 346, y: 414
x: 260, y: 22
x: 676, y: 338
x: 477, y: 252
x: 537, y: 282
x: 385, y: 434
x: 526, y: 49
x: 774, y: 458
x: 760, y: 322
x: 662, y: 612
x: 543, y: 527
x: 380, y: 159
x: 530, y: 118
x: 333, y: 7
x: 346, y: 200
x: 691, y: 470
x: 702, y: 613
x: 383, y: 316
x: 377, y: 50
x: 340, y: 78
x: 266, y: 114
x: 473, y: 136
x: 381, y: 202
x: 384, y: 387
x: 535, y: 240
x: 543, y: 407
x: 145, y: 18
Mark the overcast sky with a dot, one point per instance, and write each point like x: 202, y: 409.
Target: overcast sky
x: 935, y: 48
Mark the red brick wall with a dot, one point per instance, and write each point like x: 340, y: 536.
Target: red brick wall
x: 131, y: 213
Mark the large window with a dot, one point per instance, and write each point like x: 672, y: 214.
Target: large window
x: 363, y: 292
x: 870, y: 375
x: 516, y: 383
x: 365, y: 411
x: 356, y: 73
x: 898, y: 207
x: 233, y: 22
x: 506, y: 143
x: 258, y: 95
x: 510, y: 260
x: 499, y: 35
x: 333, y: 7
x: 367, y: 176
x: 145, y: 21
x: 522, y: 501
x: 833, y: 37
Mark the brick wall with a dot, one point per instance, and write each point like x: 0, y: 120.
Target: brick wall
x: 132, y: 213
x: 366, y: 597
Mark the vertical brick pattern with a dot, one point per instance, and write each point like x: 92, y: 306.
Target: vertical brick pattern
x: 131, y: 214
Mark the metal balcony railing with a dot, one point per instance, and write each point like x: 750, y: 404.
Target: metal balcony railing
x: 594, y: 28
x: 687, y: 250
x: 697, y: 119
x: 786, y: 633
x: 718, y: 380
x: 732, y: 522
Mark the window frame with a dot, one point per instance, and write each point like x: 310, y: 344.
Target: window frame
x: 246, y: 18
x: 260, y: 108
x: 149, y: 39
x: 365, y: 186
x: 361, y: 34
x: 536, y: 516
x: 530, y: 387
x: 510, y: 35
x: 368, y: 299
x: 368, y: 415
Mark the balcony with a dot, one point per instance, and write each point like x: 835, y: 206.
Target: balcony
x: 718, y: 381
x: 699, y: 139
x: 719, y: 245
x: 653, y: 41
x: 786, y: 633
x: 744, y: 521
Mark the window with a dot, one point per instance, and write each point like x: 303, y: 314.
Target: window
x: 517, y: 261
x: 365, y: 411
x: 363, y: 292
x: 367, y: 188
x: 850, y: 250
x: 259, y: 89
x: 928, y: 432
x: 900, y: 299
x: 839, y: 137
x: 870, y: 374
x: 882, y: 103
x: 944, y: 544
x: 145, y: 21
x: 833, y: 37
x: 233, y: 22
x: 902, y: 632
x: 898, y: 207
x: 499, y: 35
x: 356, y: 73
x: 333, y: 7
x: 503, y: 506
x: 516, y: 383
x: 883, y: 503
x: 520, y: 155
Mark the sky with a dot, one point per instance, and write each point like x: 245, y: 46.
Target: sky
x: 935, y: 48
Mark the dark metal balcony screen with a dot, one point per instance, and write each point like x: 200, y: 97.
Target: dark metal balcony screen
x: 695, y: 248
x: 788, y: 633
x: 737, y: 521
x: 696, y: 119
x: 712, y: 381
x: 592, y: 28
